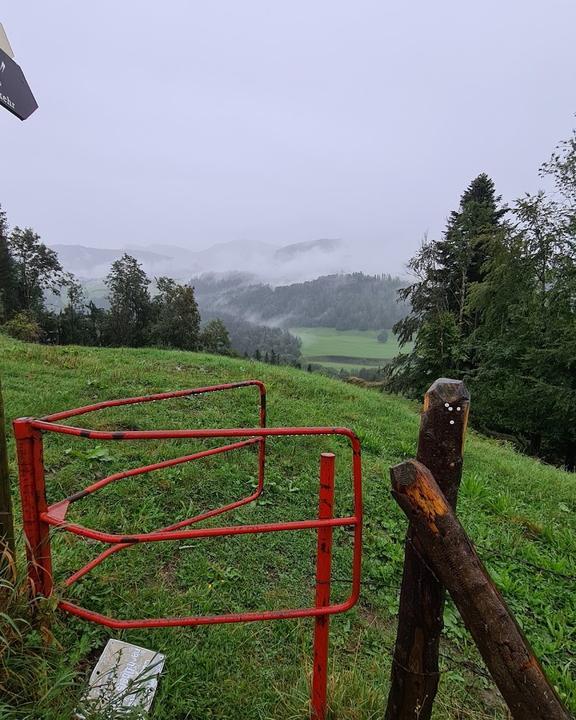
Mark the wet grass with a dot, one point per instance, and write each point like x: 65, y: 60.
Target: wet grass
x: 346, y: 349
x: 520, y: 513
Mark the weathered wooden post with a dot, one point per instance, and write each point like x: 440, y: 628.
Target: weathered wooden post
x: 505, y: 650
x: 6, y: 515
x: 415, y: 669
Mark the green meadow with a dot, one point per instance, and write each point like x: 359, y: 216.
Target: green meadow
x: 520, y: 513
x: 345, y: 348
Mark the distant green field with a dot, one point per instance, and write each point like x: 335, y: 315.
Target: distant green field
x: 346, y: 348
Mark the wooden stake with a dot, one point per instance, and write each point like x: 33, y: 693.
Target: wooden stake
x: 505, y: 650
x: 6, y: 515
x: 415, y: 669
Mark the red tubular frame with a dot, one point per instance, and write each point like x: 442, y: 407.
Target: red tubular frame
x: 38, y: 517
x: 323, y: 574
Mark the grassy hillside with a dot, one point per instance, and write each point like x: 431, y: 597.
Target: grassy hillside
x: 346, y: 349
x: 520, y: 513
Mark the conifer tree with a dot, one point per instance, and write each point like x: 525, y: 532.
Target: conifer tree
x: 468, y: 242
x: 440, y: 321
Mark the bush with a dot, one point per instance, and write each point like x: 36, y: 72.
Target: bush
x: 382, y: 336
x: 214, y: 338
x: 23, y: 327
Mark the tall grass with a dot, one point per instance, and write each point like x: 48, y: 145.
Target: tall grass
x: 32, y: 673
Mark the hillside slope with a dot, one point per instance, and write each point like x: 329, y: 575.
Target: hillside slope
x: 350, y: 301
x: 520, y: 513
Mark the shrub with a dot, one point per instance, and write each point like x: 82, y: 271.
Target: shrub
x: 23, y: 327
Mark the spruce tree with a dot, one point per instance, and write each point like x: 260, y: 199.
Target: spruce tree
x: 440, y: 321
x: 465, y: 249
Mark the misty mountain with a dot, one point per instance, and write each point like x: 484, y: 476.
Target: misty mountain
x: 92, y: 263
x: 244, y: 282
x: 266, y: 262
x: 351, y: 301
x: 296, y: 250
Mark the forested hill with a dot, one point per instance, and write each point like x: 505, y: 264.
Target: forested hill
x: 353, y: 301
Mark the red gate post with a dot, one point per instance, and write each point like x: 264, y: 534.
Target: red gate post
x: 262, y: 442
x: 323, y: 571
x: 33, y: 495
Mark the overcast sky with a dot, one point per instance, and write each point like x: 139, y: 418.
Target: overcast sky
x: 190, y: 123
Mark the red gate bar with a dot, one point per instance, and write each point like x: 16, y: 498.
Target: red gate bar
x: 38, y: 517
x: 55, y: 417
x: 190, y: 392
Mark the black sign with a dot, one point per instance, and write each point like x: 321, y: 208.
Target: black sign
x: 15, y: 93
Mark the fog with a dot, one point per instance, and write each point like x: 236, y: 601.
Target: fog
x: 261, y: 261
x: 190, y: 124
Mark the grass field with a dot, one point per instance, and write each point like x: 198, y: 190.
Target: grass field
x: 345, y: 348
x: 521, y: 514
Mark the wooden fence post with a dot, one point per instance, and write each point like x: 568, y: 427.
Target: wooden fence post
x: 415, y: 669
x: 505, y: 650
x: 6, y: 515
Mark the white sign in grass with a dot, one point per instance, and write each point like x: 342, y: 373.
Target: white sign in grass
x: 125, y: 678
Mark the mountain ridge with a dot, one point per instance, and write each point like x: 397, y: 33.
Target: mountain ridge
x: 294, y: 262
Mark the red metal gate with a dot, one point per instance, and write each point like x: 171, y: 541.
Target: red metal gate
x: 38, y: 516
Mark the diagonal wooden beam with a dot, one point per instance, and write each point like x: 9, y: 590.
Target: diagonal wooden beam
x: 506, y: 652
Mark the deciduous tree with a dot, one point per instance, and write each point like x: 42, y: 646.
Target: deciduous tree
x: 214, y: 338
x: 177, y: 317
x: 36, y: 269
x: 130, y: 304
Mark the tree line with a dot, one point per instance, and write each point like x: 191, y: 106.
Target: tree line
x: 135, y: 318
x: 261, y: 342
x: 494, y: 301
